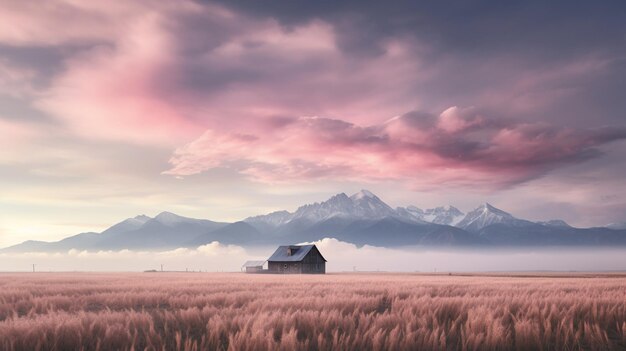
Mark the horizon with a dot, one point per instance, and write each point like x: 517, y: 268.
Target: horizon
x: 342, y: 257
x: 465, y: 212
x: 110, y: 111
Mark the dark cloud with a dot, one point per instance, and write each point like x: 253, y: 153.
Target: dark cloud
x: 47, y: 61
x: 529, y: 149
x: 556, y: 28
x: 487, y: 53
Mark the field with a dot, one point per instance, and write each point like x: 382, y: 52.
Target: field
x: 220, y: 311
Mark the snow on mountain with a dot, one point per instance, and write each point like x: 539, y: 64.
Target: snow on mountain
x: 274, y: 219
x: 616, y: 226
x: 486, y: 215
x: 362, y: 205
x: 555, y: 223
x: 362, y: 218
x: 411, y: 213
x: 141, y: 218
x: 363, y: 194
x: 415, y: 210
x: 369, y: 205
x: 448, y: 215
x: 170, y: 219
x: 337, y: 205
x: 136, y: 221
x: 128, y: 224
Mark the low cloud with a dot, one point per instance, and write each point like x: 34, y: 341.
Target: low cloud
x: 344, y: 256
x: 209, y: 257
x: 457, y: 147
x: 341, y: 256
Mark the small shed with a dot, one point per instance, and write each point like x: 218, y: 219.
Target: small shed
x: 253, y: 266
x: 297, y: 259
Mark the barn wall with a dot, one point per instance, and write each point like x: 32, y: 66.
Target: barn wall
x: 254, y: 269
x: 312, y: 263
x: 285, y: 267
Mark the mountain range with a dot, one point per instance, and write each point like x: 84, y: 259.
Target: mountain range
x: 362, y: 219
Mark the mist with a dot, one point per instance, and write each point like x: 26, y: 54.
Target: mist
x: 341, y: 256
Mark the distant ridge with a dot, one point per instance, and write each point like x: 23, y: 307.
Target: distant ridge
x: 362, y: 218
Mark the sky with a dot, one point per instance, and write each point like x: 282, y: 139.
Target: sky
x: 227, y: 109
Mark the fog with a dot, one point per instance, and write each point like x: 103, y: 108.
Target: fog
x: 341, y: 256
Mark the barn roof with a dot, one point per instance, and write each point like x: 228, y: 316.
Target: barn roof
x: 298, y: 253
x: 253, y: 263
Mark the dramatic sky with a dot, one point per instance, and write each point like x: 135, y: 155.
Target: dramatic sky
x: 227, y: 109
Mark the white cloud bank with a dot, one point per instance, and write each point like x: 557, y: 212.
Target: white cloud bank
x: 341, y: 256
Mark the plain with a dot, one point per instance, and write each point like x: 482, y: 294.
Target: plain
x: 235, y: 311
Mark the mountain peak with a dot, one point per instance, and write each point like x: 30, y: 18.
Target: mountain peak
x: 485, y: 215
x: 486, y: 206
x: 168, y: 218
x: 166, y: 214
x: 446, y: 215
x: 128, y: 224
x: 489, y: 208
x: 363, y: 204
x: 339, y: 197
x: 555, y: 223
x: 414, y: 208
x: 363, y: 194
x: 142, y: 218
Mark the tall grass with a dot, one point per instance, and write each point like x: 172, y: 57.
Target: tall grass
x: 163, y: 311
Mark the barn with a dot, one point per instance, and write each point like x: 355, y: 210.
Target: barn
x: 253, y: 267
x: 297, y: 259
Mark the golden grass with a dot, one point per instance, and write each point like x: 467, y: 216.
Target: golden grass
x: 177, y: 311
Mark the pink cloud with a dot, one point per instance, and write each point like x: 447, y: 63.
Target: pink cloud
x: 461, y: 150
x: 15, y: 134
x: 244, y: 79
x: 143, y: 81
x: 112, y: 92
x: 58, y: 22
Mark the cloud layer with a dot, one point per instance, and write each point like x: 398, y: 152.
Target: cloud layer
x: 341, y: 256
x: 457, y: 147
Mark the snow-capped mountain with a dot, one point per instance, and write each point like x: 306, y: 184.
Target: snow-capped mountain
x: 486, y: 215
x: 447, y: 215
x: 369, y: 205
x: 410, y: 213
x: 362, y: 205
x: 171, y: 219
x: 273, y: 219
x: 129, y: 224
x: 362, y: 219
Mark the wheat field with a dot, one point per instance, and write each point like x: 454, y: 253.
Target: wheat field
x: 232, y: 311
